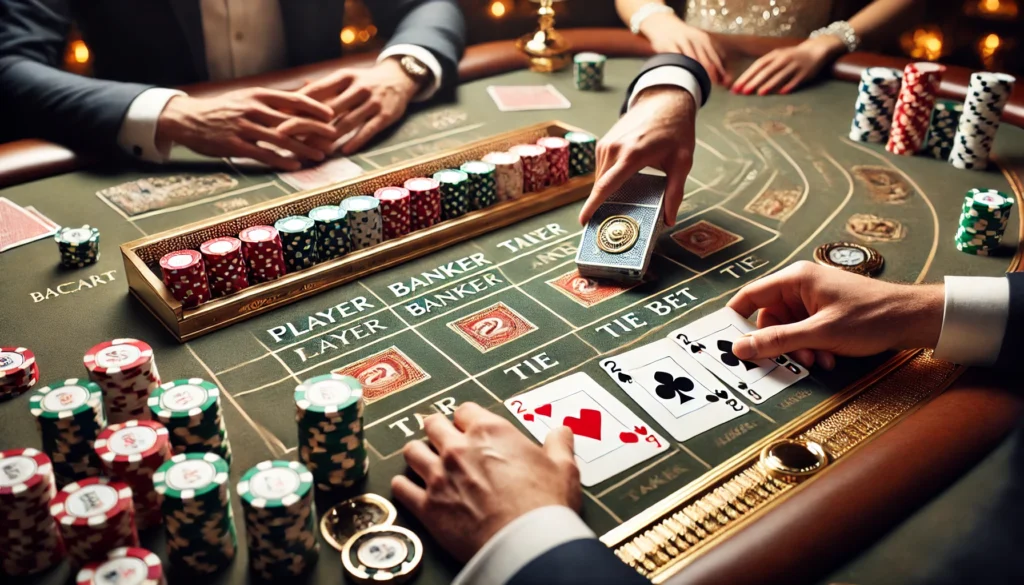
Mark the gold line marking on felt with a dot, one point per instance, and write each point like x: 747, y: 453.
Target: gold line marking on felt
x: 785, y: 155
x: 601, y: 504
x: 278, y: 358
x: 766, y: 417
x: 694, y: 455
x: 641, y: 471
x: 723, y: 136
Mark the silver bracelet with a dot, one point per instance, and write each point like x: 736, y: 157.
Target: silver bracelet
x: 643, y: 12
x: 841, y: 30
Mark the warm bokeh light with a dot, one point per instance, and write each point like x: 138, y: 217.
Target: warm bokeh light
x: 364, y: 35
x: 993, y: 8
x: 498, y: 9
x: 80, y: 52
x: 923, y: 43
x: 348, y: 35
x: 988, y: 46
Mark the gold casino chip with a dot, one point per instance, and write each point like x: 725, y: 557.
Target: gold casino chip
x: 851, y: 257
x: 617, y: 234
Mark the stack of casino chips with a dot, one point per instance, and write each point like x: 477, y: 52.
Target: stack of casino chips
x: 95, y: 515
x: 987, y: 94
x: 196, y: 501
x: 190, y: 409
x: 365, y: 224
x: 424, y: 202
x: 395, y: 211
x: 124, y: 566
x: 588, y: 71
x: 914, y: 107
x: 876, y: 104
x: 535, y: 166
x: 69, y: 415
x: 298, y: 238
x: 280, y: 520
x: 508, y: 174
x: 132, y: 452
x: 983, y: 220
x: 454, y: 186
x: 226, y: 268
x: 125, y: 370
x: 184, y: 273
x: 582, y: 153
x: 329, y: 416
x: 483, y: 191
x: 29, y: 540
x: 261, y: 245
x: 557, y: 155
x: 942, y: 128
x: 18, y: 371
x: 78, y: 247
x: 332, y: 239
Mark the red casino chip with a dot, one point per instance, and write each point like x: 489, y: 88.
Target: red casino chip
x: 132, y: 442
x: 16, y: 362
x: 91, y: 502
x: 535, y: 166
x: 395, y: 211
x: 425, y: 194
x: 30, y: 468
x: 913, y: 108
x: 184, y: 273
x: 130, y: 565
x: 264, y: 253
x: 118, y: 356
x: 557, y: 157
x: 226, y: 268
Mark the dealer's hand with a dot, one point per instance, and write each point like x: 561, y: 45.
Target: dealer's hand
x: 782, y: 70
x: 670, y: 34
x: 484, y: 475
x: 233, y: 123
x: 656, y: 132
x: 816, y: 312
x: 367, y: 99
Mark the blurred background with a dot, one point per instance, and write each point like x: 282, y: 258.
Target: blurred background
x: 979, y: 34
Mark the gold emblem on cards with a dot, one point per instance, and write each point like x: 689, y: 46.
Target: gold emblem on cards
x: 617, y: 234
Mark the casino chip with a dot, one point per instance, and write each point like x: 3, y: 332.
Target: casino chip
x: 124, y: 566
x: 344, y: 520
x: 94, y: 515
x: 983, y: 220
x: 914, y: 107
x: 557, y: 156
x: 18, y: 372
x: 855, y: 258
x: 132, y: 452
x: 262, y: 248
x: 299, y: 239
x: 588, y: 71
x: 226, y: 269
x: 196, y: 503
x: 508, y: 174
x: 876, y: 104
x: 396, y: 211
x: 184, y: 273
x: 483, y: 191
x: 29, y: 539
x: 582, y: 153
x: 332, y: 238
x: 424, y: 202
x: 454, y: 185
x: 942, y: 128
x: 329, y: 415
x: 535, y: 166
x: 383, y: 553
x: 78, y: 247
x: 365, y: 223
x: 280, y: 520
x: 69, y: 415
x: 987, y: 95
x: 190, y: 409
x: 126, y: 371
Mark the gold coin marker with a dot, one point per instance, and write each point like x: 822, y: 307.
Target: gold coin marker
x: 617, y: 234
x: 851, y: 257
x: 793, y: 461
x: 344, y: 520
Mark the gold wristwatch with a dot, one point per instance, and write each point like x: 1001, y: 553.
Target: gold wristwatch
x: 416, y: 70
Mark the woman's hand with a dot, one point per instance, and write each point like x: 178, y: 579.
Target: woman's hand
x: 669, y: 34
x: 782, y: 70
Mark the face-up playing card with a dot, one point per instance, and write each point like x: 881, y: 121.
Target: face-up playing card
x: 329, y: 172
x: 19, y: 225
x: 518, y: 98
x: 673, y: 388
x: 608, y: 437
x: 709, y: 341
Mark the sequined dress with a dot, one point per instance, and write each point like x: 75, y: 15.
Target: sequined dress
x: 772, y: 18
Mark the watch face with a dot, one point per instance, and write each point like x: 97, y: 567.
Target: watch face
x: 845, y: 256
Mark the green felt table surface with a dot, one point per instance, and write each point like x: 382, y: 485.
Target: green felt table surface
x: 792, y: 147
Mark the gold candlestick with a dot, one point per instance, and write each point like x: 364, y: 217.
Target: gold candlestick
x: 546, y: 48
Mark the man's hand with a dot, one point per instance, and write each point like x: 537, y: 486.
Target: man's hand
x: 484, y: 475
x: 656, y: 132
x: 368, y: 99
x: 782, y: 70
x: 231, y: 124
x: 815, y: 312
x: 670, y: 34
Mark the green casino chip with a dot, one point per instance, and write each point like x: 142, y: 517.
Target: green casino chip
x: 275, y: 484
x: 189, y: 476
x: 328, y: 394
x: 185, y: 398
x: 66, y: 399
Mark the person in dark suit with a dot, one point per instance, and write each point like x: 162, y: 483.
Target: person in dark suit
x: 143, y: 48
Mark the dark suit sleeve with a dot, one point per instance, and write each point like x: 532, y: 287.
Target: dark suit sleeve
x: 435, y: 25
x: 584, y: 562
x: 41, y: 101
x: 671, y: 59
x: 1012, y: 350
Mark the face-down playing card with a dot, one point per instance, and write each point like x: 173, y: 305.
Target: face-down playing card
x: 608, y: 437
x: 709, y: 341
x: 673, y: 388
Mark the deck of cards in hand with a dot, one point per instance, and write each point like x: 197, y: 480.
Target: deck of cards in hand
x: 619, y: 239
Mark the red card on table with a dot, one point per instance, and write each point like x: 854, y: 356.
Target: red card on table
x: 20, y: 226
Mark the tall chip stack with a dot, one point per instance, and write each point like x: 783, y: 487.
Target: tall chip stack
x: 332, y: 238
x: 78, y: 247
x: 557, y: 156
x: 190, y: 409
x: 225, y: 265
x: 29, y: 539
x: 914, y: 107
x: 535, y: 166
x: 588, y: 71
x: 365, y: 223
x: 280, y: 520
x: 69, y: 415
x: 184, y: 273
x: 987, y: 94
x: 508, y: 174
x: 942, y: 128
x: 454, y: 192
x: 196, y: 501
x: 124, y: 566
x: 329, y: 416
x: 483, y: 192
x: 983, y: 221
x: 582, y: 153
x: 94, y: 515
x: 424, y: 202
x: 18, y: 372
x: 264, y: 252
x: 132, y: 452
x: 298, y: 238
x: 125, y: 370
x: 395, y: 211
x: 876, y: 104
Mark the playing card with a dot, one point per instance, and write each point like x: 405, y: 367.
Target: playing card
x: 20, y: 226
x: 331, y: 171
x: 709, y: 341
x: 608, y: 437
x: 517, y: 98
x: 384, y: 373
x: 673, y: 388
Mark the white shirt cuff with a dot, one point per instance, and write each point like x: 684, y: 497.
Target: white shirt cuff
x: 668, y: 75
x: 137, y: 135
x: 425, y: 57
x: 973, y: 319
x: 522, y: 540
